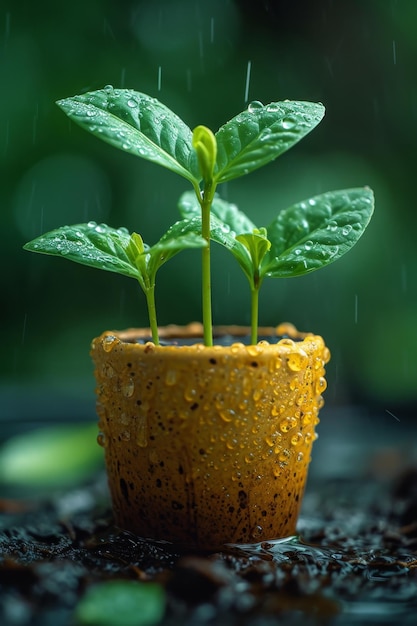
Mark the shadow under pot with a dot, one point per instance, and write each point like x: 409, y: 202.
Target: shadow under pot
x: 208, y: 445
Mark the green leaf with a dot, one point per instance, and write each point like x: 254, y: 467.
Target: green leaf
x: 55, y: 456
x: 95, y: 245
x: 180, y: 236
x: 122, y: 602
x: 138, y: 124
x: 226, y: 212
x: 313, y: 233
x: 260, y: 134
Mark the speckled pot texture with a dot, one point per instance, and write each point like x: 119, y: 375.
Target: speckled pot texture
x: 208, y: 445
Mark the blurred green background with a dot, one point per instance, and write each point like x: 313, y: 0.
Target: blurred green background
x: 206, y: 60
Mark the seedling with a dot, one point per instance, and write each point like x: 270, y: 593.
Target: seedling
x: 305, y: 237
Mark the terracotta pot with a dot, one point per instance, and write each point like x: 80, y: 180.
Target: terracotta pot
x: 208, y: 445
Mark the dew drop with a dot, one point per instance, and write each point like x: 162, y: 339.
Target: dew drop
x: 92, y: 224
x: 132, y: 103
x: 332, y: 226
x: 255, y: 106
x: 265, y: 135
x: 312, y: 202
x: 308, y: 245
x: 288, y: 122
x: 91, y: 112
x: 109, y: 88
x: 346, y: 229
x: 273, y: 107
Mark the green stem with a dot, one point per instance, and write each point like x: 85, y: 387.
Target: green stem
x: 150, y: 300
x: 254, y: 314
x: 205, y: 203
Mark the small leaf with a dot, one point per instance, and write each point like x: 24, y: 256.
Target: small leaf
x: 98, y: 246
x: 138, y: 124
x: 54, y: 456
x: 226, y: 212
x: 180, y: 236
x: 123, y: 602
x: 204, y: 143
x: 260, y: 134
x: 257, y: 245
x: 318, y: 231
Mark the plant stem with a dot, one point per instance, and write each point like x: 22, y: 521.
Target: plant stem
x: 206, y: 202
x: 254, y: 314
x: 150, y: 300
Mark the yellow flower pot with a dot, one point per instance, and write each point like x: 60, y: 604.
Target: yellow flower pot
x: 208, y: 445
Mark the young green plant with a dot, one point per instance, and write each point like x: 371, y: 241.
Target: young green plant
x: 302, y: 238
x: 141, y: 125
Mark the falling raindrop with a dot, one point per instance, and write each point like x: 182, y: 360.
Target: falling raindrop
x: 248, y: 73
x: 159, y: 78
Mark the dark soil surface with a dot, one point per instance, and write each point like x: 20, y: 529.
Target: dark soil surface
x: 354, y: 561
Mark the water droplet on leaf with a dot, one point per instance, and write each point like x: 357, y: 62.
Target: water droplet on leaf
x: 255, y: 106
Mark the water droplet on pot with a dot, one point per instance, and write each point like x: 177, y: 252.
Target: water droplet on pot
x: 287, y: 424
x: 321, y: 385
x: 107, y: 370
x: 297, y: 439
x: 297, y: 361
x: 142, y: 432
x: 128, y: 388
x: 256, y: 532
x: 190, y: 394
x: 171, y: 377
x: 254, y: 106
x: 101, y: 439
x: 109, y: 342
x: 227, y: 415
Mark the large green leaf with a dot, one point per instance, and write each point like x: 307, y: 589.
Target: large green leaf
x: 316, y: 232
x: 95, y: 245
x: 260, y: 134
x: 138, y: 124
x: 226, y: 212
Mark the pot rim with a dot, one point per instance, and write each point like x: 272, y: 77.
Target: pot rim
x: 289, y: 340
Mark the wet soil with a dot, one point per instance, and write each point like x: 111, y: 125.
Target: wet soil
x: 353, y: 562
